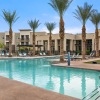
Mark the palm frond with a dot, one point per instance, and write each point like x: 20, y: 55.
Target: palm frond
x: 50, y: 26
x: 60, y: 6
x: 10, y: 17
x: 83, y: 13
x: 95, y: 18
x: 33, y: 24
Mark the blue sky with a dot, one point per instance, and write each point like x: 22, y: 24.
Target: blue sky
x: 39, y: 9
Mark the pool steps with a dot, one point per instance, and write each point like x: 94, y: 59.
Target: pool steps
x: 94, y: 95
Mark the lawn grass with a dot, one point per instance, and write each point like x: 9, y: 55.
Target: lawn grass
x: 91, y: 62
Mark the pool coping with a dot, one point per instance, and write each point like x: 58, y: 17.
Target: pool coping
x: 80, y: 64
x: 15, y: 90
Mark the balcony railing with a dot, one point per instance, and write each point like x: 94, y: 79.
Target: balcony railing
x: 7, y: 39
x: 24, y: 39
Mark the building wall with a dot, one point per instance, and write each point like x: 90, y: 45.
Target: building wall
x: 42, y: 36
x: 2, y: 38
x: 17, y: 40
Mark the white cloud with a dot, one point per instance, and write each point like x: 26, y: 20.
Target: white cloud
x: 73, y: 30
x: 67, y: 30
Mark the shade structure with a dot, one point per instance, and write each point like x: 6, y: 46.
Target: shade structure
x: 30, y: 45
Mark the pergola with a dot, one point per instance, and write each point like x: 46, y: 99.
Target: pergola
x: 30, y: 45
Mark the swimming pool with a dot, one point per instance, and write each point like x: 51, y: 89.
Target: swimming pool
x: 38, y: 72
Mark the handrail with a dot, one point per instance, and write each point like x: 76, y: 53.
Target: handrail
x: 92, y: 94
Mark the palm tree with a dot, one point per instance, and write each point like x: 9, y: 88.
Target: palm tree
x: 95, y: 19
x: 10, y: 18
x: 60, y: 6
x: 34, y: 25
x: 83, y: 14
x: 50, y: 27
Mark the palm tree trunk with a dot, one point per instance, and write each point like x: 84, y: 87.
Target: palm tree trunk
x: 61, y: 34
x: 50, y: 44
x: 97, y: 42
x: 10, y: 42
x: 33, y: 44
x: 83, y: 42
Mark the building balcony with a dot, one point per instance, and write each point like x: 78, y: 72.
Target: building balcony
x: 24, y: 40
x: 7, y: 39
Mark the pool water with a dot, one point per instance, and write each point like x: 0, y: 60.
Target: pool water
x: 38, y: 72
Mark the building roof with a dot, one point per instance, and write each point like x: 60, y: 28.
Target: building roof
x: 25, y: 29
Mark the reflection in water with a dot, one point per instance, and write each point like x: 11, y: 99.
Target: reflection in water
x: 74, y: 82
x: 83, y: 84
x: 97, y: 81
x: 61, y: 82
x: 33, y: 75
x: 50, y: 84
x: 68, y: 74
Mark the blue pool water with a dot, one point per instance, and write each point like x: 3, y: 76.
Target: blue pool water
x: 38, y: 72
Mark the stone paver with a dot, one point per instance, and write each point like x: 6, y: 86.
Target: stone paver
x: 14, y: 90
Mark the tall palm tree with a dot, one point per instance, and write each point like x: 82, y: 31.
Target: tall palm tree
x: 95, y: 19
x: 50, y: 27
x: 60, y: 6
x: 83, y: 14
x: 10, y: 18
x: 34, y: 25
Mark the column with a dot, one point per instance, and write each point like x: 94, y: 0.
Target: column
x: 56, y: 45
x: 48, y: 45
x: 65, y: 44
x: 71, y: 45
x: 42, y: 44
x: 93, y: 44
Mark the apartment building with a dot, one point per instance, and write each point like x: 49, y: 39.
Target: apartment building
x: 72, y: 42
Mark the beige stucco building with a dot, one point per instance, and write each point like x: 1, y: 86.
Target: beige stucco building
x: 72, y: 42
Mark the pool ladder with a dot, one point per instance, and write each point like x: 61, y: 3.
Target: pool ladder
x: 94, y: 95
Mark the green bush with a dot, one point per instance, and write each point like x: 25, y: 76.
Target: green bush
x: 78, y: 51
x: 87, y: 52
x: 21, y: 49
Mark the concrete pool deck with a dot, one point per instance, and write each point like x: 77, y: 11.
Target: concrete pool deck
x: 14, y: 90
x: 81, y: 64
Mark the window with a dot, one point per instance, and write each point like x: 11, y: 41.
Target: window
x: 7, y: 44
x: 22, y: 37
x: 27, y: 37
x: 27, y: 43
x: 7, y: 37
x: 39, y: 42
x: 22, y: 43
x: 67, y: 45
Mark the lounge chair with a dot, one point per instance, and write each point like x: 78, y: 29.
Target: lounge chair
x: 73, y: 56
x: 20, y: 54
x: 91, y: 54
x: 7, y: 54
x: 41, y: 54
x: 24, y: 54
x: 77, y: 57
x: 44, y: 54
x: 2, y: 54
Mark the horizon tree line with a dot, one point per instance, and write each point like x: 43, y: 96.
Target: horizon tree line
x: 82, y: 13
